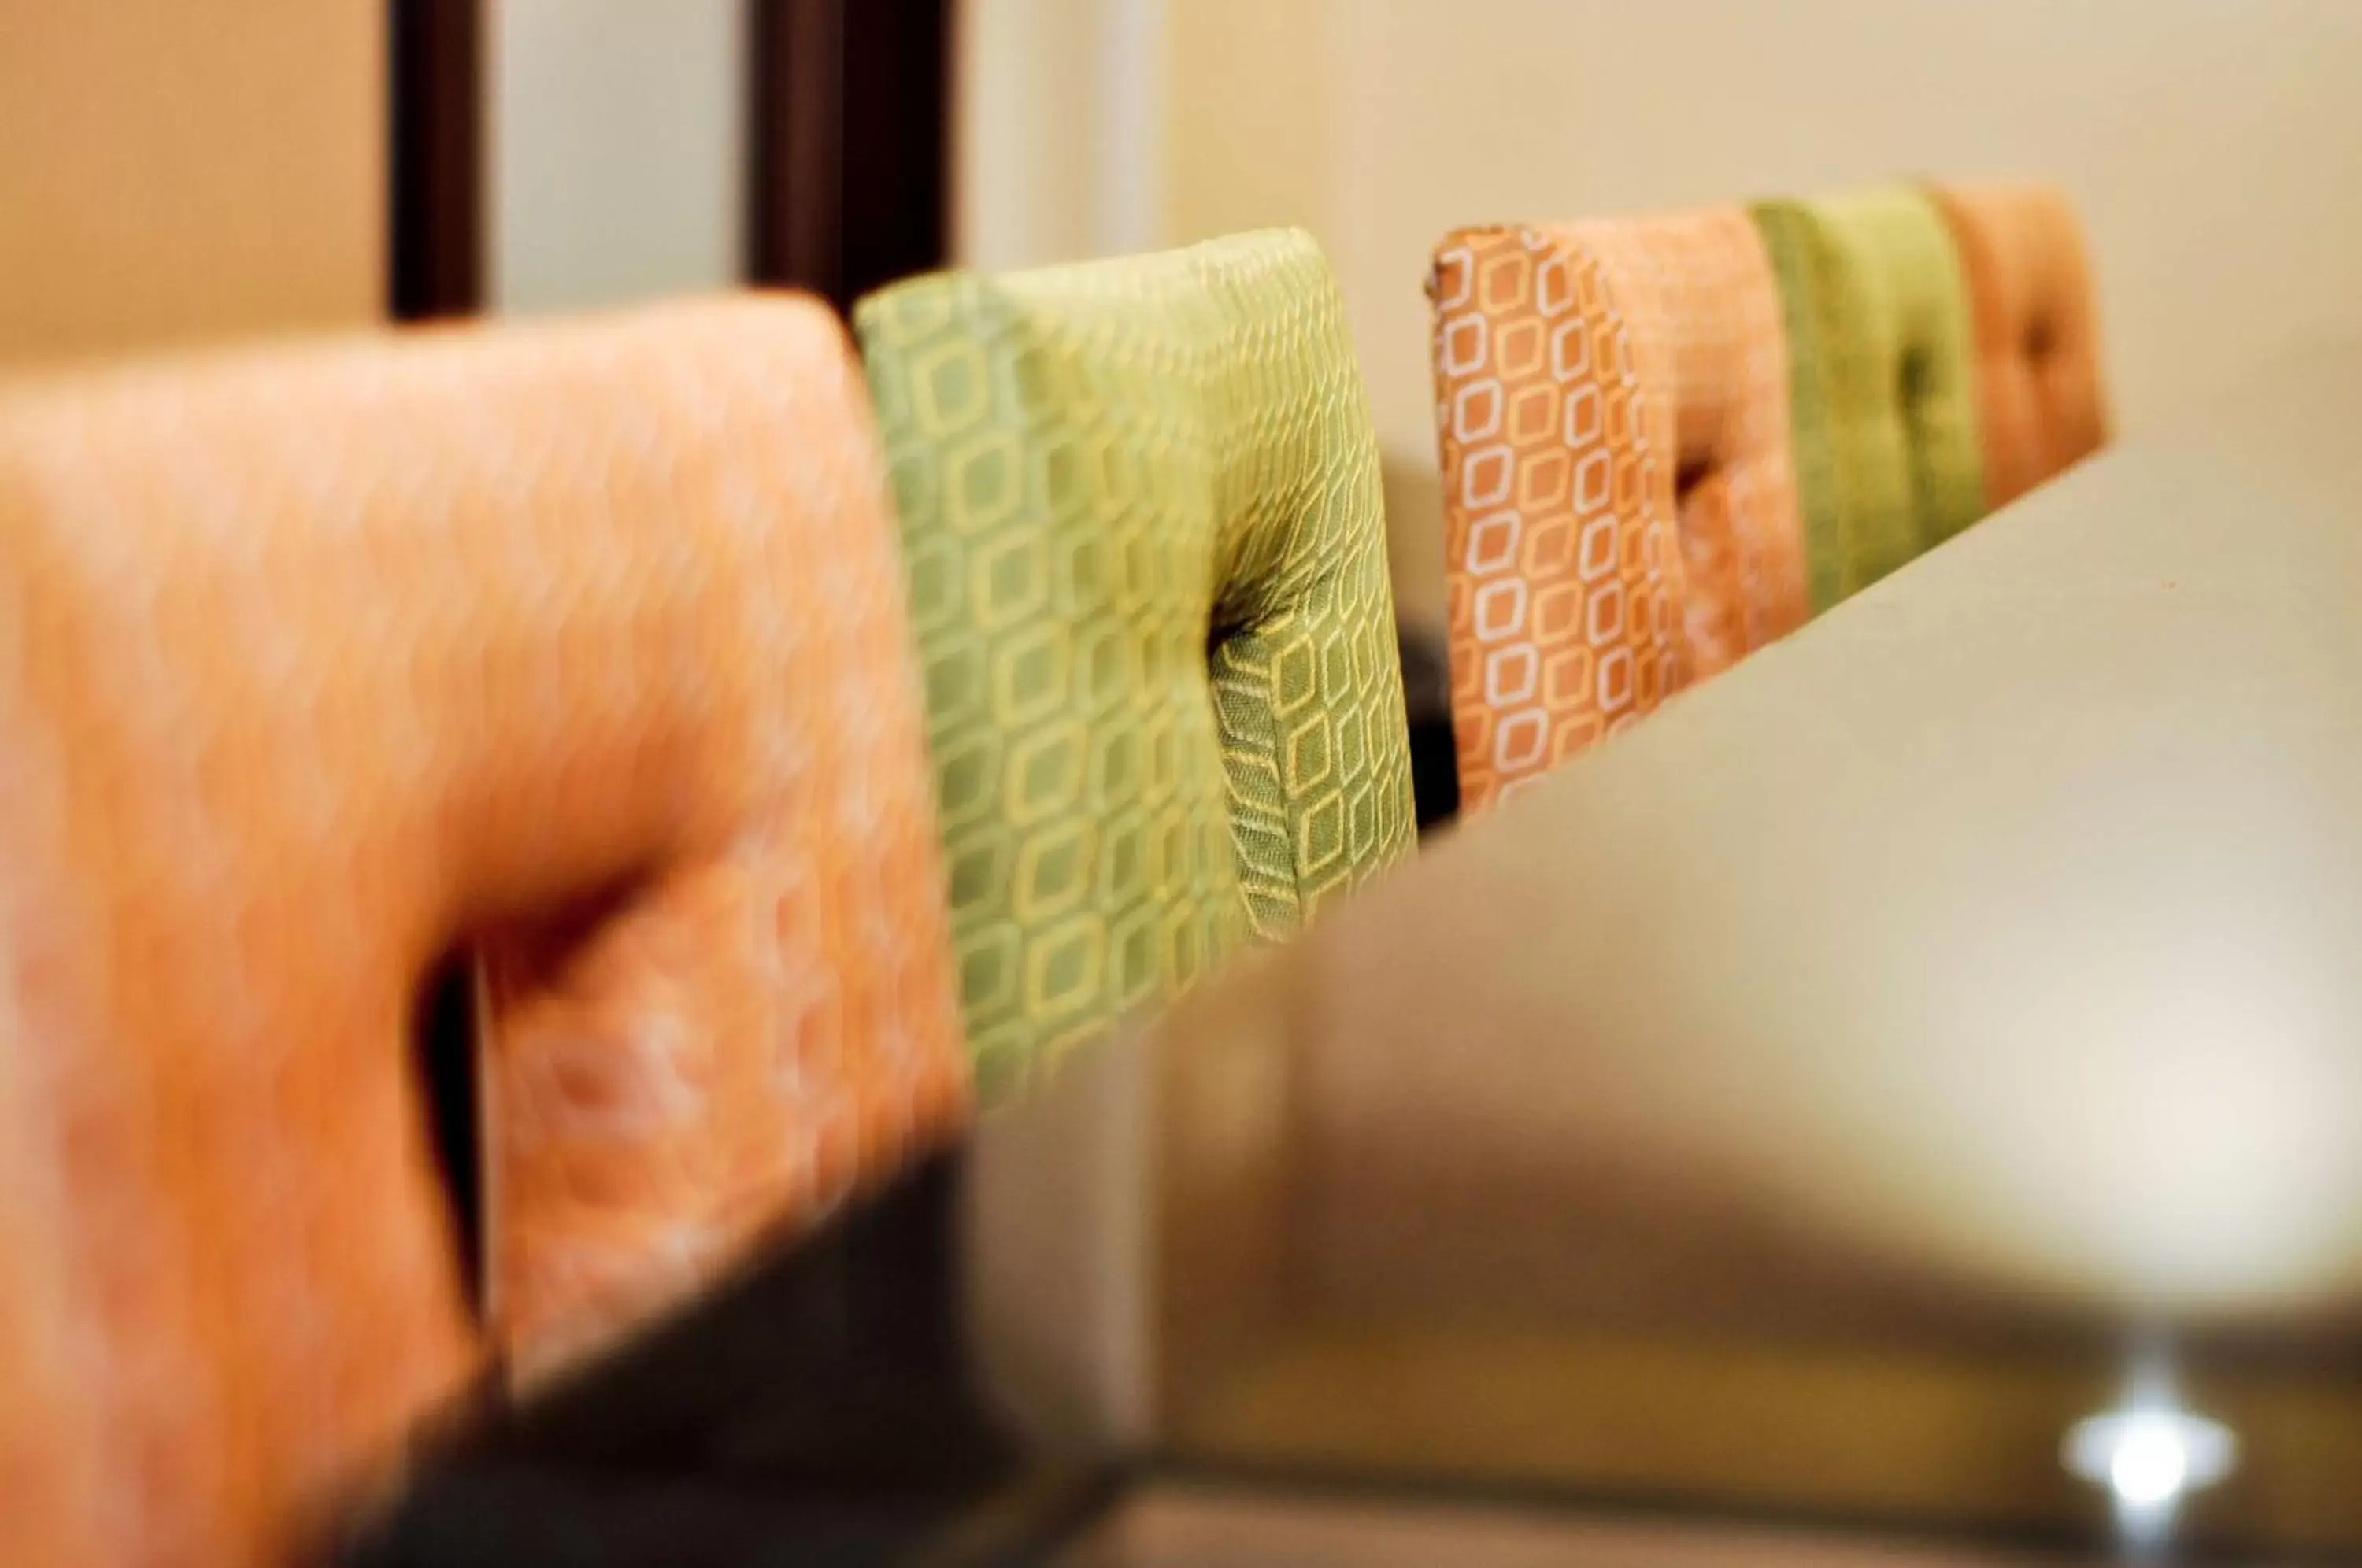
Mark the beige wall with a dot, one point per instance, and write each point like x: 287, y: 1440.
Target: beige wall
x: 2215, y: 147
x: 1027, y: 102
x: 613, y: 151
x: 172, y: 172
x: 1059, y: 109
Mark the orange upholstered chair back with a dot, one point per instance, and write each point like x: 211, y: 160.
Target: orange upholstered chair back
x: 586, y: 643
x: 2040, y: 401
x: 1620, y: 504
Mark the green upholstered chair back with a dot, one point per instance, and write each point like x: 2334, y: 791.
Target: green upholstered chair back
x: 1140, y: 517
x: 1884, y: 400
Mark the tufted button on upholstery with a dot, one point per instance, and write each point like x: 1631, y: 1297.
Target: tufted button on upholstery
x: 2041, y: 403
x: 583, y: 642
x: 1139, y: 504
x: 1911, y: 378
x: 1887, y: 454
x: 1620, y: 513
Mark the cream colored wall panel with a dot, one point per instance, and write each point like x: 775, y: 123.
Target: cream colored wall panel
x: 2209, y: 144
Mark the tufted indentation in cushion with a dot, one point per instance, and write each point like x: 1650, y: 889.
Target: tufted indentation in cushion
x: 1140, y: 515
x: 1704, y: 313
x: 1620, y: 512
x: 1888, y: 461
x: 584, y: 642
x: 2039, y: 397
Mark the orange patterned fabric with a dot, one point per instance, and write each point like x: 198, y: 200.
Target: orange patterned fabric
x: 1705, y: 314
x: 1620, y: 507
x: 768, y: 1014
x: 585, y: 640
x: 2037, y: 354
x: 1563, y: 573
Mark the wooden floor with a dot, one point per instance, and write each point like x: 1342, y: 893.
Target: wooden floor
x: 1210, y: 1528
x: 1917, y: 1435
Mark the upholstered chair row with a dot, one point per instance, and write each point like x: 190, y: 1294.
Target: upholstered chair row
x: 1666, y: 440
x: 597, y: 651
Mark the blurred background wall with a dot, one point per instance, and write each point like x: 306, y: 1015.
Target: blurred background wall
x: 173, y: 172
x: 613, y: 139
x: 2215, y: 147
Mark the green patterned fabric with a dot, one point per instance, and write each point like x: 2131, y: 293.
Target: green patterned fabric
x: 1142, y: 522
x: 1883, y: 405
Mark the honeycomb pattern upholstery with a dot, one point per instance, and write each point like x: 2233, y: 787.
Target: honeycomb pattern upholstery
x: 1141, y: 516
x: 2039, y: 398
x: 585, y: 640
x: 1883, y: 405
x: 1621, y: 508
x: 1554, y: 539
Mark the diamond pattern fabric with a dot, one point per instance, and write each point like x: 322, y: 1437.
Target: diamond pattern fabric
x: 588, y: 642
x: 1620, y: 510
x: 1883, y: 405
x: 1141, y: 521
x: 2039, y: 401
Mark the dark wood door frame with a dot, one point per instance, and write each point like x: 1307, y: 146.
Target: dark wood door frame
x: 849, y: 126
x: 434, y: 232
x: 847, y: 133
